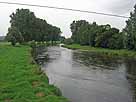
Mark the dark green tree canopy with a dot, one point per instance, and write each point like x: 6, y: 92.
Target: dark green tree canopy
x: 92, y: 34
x: 105, y: 36
x: 130, y: 31
x: 25, y: 26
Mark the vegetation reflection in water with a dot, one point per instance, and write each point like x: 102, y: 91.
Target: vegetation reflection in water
x: 131, y: 75
x: 96, y: 59
x: 109, y: 63
x: 95, y: 62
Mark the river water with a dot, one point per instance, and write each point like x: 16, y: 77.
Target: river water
x: 89, y: 77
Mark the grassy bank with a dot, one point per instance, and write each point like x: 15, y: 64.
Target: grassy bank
x: 21, y: 80
x: 110, y: 52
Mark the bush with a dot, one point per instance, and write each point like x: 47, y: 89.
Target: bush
x: 68, y: 41
x: 32, y: 44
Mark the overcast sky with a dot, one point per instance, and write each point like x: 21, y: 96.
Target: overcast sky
x: 63, y: 18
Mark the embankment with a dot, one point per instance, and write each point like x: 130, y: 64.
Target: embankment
x: 21, y: 80
x: 109, y: 52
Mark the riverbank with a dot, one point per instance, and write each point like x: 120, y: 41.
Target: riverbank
x: 109, y: 52
x: 21, y: 79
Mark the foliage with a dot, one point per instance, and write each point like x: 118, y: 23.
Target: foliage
x: 32, y: 44
x: 130, y: 31
x: 62, y: 39
x: 104, y: 36
x: 68, y: 41
x: 108, y: 52
x: 110, y: 39
x: 77, y: 28
x: 93, y: 34
x: 14, y: 36
x: 25, y: 26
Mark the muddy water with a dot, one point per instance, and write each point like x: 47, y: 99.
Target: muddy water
x: 89, y: 77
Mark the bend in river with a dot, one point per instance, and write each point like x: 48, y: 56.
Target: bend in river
x: 88, y: 77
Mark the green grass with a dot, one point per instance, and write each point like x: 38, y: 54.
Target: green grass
x: 21, y: 80
x: 110, y: 52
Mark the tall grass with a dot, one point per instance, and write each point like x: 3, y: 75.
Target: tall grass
x: 21, y: 80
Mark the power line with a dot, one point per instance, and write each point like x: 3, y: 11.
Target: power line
x: 68, y: 9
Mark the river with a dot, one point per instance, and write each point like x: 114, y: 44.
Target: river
x: 89, y: 77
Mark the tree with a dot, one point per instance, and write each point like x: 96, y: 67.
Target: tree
x: 62, y: 39
x: 83, y: 32
x: 93, y: 30
x: 68, y: 41
x: 54, y: 34
x: 130, y: 30
x: 92, y: 34
x: 110, y: 38
x: 23, y: 20
x: 14, y: 36
x: 40, y: 30
x: 102, y: 37
x: 116, y: 41
x: 75, y: 27
x: 25, y: 26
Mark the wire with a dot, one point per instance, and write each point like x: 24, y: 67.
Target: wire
x: 68, y: 9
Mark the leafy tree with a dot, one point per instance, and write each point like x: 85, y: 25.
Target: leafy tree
x: 93, y: 34
x: 68, y: 41
x: 110, y: 38
x: 62, y: 39
x: 25, y: 26
x: 75, y: 27
x: 130, y: 30
x: 40, y: 31
x: 55, y: 34
x: 14, y: 36
x: 116, y: 41
x: 93, y: 30
x: 23, y: 20
x: 83, y: 32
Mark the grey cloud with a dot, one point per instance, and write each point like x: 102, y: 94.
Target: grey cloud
x: 121, y: 6
x: 63, y: 19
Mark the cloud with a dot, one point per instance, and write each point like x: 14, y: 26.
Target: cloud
x: 121, y: 6
x: 63, y: 18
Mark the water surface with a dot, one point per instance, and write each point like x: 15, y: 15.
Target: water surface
x: 89, y: 77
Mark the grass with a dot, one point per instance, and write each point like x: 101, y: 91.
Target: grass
x: 110, y: 52
x: 21, y: 80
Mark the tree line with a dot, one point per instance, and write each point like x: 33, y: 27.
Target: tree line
x: 92, y: 34
x: 105, y: 36
x: 25, y: 27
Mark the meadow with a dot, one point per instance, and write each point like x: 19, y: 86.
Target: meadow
x: 21, y: 79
